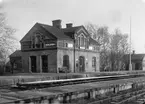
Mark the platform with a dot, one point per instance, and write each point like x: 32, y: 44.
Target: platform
x: 12, y: 79
x: 55, y: 94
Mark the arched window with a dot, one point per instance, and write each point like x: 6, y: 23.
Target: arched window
x: 93, y: 61
x: 81, y: 64
x: 82, y: 42
x: 66, y: 61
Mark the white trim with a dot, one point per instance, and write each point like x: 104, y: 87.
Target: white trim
x: 81, y: 35
x: 82, y: 30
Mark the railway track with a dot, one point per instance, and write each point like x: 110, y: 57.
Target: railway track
x: 54, y: 83
x: 126, y: 97
x: 131, y: 96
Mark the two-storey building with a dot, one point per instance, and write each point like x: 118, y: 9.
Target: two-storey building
x: 48, y: 48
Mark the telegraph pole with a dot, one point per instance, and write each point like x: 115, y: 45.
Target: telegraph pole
x: 130, y: 65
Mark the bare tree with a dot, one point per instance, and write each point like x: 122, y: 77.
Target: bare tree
x: 7, y: 40
x: 119, y: 47
x: 101, y: 35
x: 113, y: 46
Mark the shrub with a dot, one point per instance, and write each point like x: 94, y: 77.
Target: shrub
x: 64, y: 70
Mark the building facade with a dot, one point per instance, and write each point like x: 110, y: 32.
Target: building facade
x: 48, y: 48
x: 137, y: 61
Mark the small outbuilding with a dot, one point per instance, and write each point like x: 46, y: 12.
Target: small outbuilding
x: 137, y: 61
x: 16, y: 61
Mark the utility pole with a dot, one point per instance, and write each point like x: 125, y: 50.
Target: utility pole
x: 130, y: 65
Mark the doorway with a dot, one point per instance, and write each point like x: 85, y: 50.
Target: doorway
x: 33, y: 64
x: 44, y: 59
x: 81, y: 64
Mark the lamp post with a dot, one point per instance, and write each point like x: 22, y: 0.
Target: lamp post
x: 130, y: 65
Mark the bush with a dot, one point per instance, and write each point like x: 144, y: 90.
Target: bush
x: 64, y: 70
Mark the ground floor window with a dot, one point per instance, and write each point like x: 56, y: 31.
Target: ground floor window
x: 81, y: 64
x: 44, y: 60
x: 66, y: 61
x: 94, y: 62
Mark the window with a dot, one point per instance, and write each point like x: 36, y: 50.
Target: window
x: 66, y: 61
x: 77, y: 43
x: 82, y: 41
x: 86, y: 43
x: 90, y: 48
x: 37, y: 41
x: 79, y: 40
x: 70, y: 45
x: 65, y: 44
x: 60, y: 44
x: 94, y: 62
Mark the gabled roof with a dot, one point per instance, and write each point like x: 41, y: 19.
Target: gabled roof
x: 58, y: 33
x: 72, y: 30
x: 134, y: 57
x: 17, y: 53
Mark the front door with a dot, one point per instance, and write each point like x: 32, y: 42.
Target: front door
x: 44, y: 63
x: 81, y: 64
x: 33, y: 64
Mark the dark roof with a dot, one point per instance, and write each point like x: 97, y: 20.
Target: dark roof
x: 94, y: 42
x: 17, y: 53
x: 71, y: 29
x: 58, y: 33
x: 134, y: 57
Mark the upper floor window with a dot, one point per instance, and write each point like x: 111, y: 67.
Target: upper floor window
x: 65, y: 44
x: 81, y: 40
x: 38, y: 41
x: 70, y: 45
x: 60, y: 43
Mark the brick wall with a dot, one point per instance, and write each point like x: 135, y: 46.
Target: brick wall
x: 52, y: 60
x: 88, y: 59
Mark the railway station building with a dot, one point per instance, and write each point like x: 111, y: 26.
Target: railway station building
x: 50, y: 48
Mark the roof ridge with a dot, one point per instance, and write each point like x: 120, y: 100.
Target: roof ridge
x: 71, y: 27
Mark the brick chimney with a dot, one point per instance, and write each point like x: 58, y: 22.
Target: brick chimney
x: 68, y: 25
x: 57, y: 23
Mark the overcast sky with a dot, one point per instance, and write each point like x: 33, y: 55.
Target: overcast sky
x: 23, y: 14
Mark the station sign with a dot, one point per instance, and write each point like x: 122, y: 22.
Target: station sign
x: 50, y: 44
